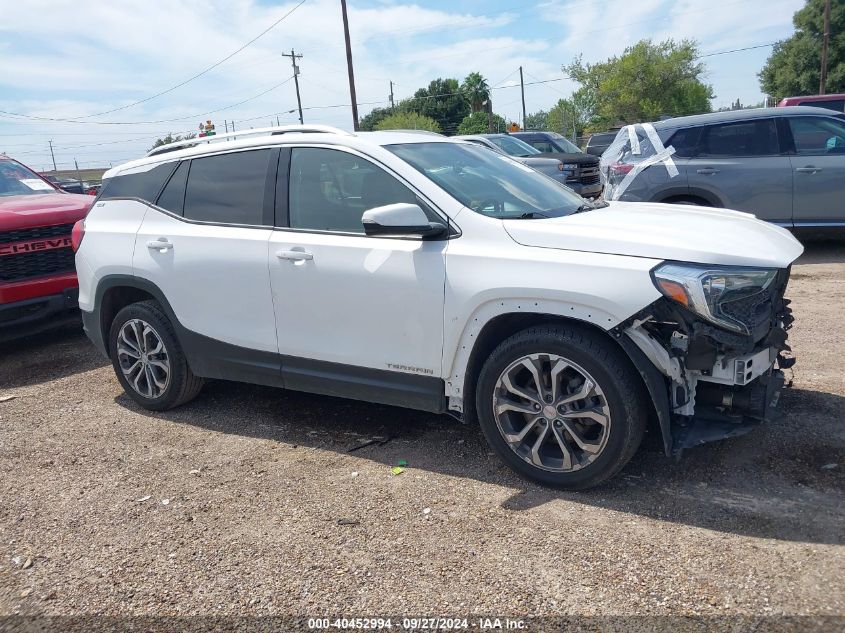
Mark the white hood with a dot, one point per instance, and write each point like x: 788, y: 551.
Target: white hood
x: 664, y: 231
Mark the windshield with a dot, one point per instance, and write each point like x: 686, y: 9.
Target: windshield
x: 565, y: 145
x: 489, y: 184
x: 513, y: 146
x: 17, y: 180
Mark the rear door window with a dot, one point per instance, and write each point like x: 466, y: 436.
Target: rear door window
x: 228, y: 188
x: 740, y: 138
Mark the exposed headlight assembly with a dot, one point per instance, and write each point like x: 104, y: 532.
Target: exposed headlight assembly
x: 703, y: 289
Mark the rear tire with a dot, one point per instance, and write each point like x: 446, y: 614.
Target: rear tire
x: 581, y: 424
x: 148, y: 359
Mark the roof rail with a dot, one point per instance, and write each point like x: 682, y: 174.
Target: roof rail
x: 262, y: 131
x: 410, y: 131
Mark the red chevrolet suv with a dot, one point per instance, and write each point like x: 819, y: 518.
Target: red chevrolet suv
x: 38, y: 287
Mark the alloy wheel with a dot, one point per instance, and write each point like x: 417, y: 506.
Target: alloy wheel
x: 551, y: 412
x: 143, y: 358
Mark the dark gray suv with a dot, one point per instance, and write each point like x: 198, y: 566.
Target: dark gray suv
x: 785, y: 165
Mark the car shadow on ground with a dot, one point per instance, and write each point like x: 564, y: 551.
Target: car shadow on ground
x: 776, y: 482
x: 47, y: 356
x: 823, y: 252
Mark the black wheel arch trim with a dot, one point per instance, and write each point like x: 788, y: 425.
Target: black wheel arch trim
x: 694, y: 192
x: 655, y: 383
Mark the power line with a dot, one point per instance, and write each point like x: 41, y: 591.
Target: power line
x: 201, y: 73
x: 736, y: 50
x: 185, y: 118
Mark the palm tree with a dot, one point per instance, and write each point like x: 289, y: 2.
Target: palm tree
x: 476, y: 90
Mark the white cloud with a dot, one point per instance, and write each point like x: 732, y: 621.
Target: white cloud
x: 59, y: 61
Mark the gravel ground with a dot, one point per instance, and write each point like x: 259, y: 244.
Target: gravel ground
x: 247, y: 502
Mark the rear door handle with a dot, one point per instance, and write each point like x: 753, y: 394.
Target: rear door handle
x: 295, y: 254
x: 161, y: 245
x: 809, y: 169
x: 707, y: 171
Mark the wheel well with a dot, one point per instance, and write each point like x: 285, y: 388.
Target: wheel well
x: 688, y: 199
x: 494, y: 332
x: 501, y: 327
x: 114, y: 300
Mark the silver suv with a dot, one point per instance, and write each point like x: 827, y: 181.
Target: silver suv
x: 784, y: 165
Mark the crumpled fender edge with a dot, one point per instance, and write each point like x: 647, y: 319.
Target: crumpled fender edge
x: 655, y: 382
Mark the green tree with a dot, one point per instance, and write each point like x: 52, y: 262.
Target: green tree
x: 442, y: 101
x: 579, y: 109
x: 794, y: 67
x: 172, y: 139
x: 476, y: 123
x: 537, y: 120
x: 476, y: 90
x: 408, y: 121
x: 369, y: 122
x: 646, y: 82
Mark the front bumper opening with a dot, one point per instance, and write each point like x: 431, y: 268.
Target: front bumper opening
x: 724, y: 411
x: 706, y: 382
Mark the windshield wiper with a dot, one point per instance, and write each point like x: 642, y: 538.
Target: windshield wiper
x: 590, y: 206
x: 530, y: 215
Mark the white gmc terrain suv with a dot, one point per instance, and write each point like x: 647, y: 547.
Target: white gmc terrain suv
x: 409, y: 269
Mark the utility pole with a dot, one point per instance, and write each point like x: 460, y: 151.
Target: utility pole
x: 391, y: 95
x: 489, y: 105
x: 349, y: 67
x: 78, y: 176
x: 522, y: 89
x: 293, y: 57
x: 825, y: 41
x: 55, y: 169
x: 226, y: 125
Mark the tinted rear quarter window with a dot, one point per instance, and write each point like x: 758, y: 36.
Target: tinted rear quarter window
x: 228, y: 188
x: 685, y: 141
x: 144, y: 185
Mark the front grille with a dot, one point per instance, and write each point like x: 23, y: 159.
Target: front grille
x: 41, y: 232
x: 751, y: 310
x: 36, y: 264
x: 757, y: 309
x: 590, y: 175
x: 40, y: 263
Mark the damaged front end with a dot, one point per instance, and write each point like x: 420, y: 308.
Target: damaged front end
x: 712, y: 350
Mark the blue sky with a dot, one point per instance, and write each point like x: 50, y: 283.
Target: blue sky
x: 63, y: 59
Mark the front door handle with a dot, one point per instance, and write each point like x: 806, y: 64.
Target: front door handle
x: 295, y: 254
x: 707, y: 171
x: 160, y: 245
x: 809, y: 169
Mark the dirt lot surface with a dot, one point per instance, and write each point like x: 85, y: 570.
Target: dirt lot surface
x: 247, y: 501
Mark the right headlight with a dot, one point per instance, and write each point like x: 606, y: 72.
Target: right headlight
x: 703, y: 289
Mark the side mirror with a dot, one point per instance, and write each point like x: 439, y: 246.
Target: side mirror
x: 400, y: 219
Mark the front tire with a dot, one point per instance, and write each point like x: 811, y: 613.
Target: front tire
x: 148, y: 359
x: 562, y: 405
